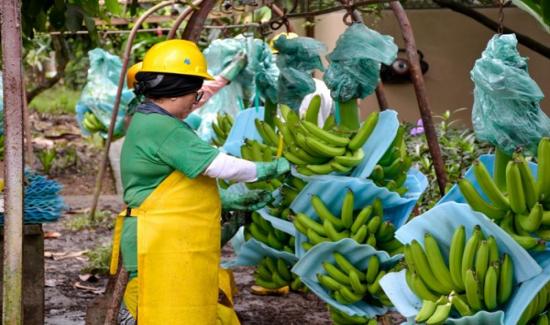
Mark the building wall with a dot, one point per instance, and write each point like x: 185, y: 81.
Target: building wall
x: 451, y: 43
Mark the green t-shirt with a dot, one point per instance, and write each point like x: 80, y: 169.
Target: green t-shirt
x: 155, y: 146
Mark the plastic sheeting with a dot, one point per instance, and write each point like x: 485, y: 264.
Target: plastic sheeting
x: 354, y: 69
x: 98, y: 95
x: 506, y: 109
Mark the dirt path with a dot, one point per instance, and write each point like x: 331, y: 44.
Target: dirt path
x: 66, y: 303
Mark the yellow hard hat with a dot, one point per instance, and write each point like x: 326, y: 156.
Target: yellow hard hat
x: 176, y: 56
x: 276, y: 37
x: 131, y: 74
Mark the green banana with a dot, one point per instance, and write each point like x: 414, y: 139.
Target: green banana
x: 293, y: 158
x: 307, y: 246
x: 409, y: 261
x: 373, y: 267
x: 315, y: 238
x: 437, y: 262
x: 349, y: 295
x: 386, y: 231
x: 356, y: 285
x: 396, y: 167
x: 532, y: 221
x: 377, y: 208
x: 364, y: 132
x: 274, y: 242
x: 473, y: 292
x: 288, y: 137
x: 546, y: 218
x: 371, y: 240
x: 506, y: 280
x: 263, y: 272
x: 377, y: 174
x: 257, y: 233
x: 426, y: 311
x: 420, y: 288
x: 311, y: 224
x: 330, y: 122
x: 514, y: 183
x: 543, y: 319
x: 325, y: 136
x: 526, y: 242
x: 501, y: 162
x: 468, y: 258
x: 340, y: 299
x: 300, y: 226
x: 455, y: 257
x: 460, y: 305
x: 323, y: 149
x: 361, y: 219
x: 477, y: 202
x: 302, y: 155
x: 440, y: 315
x: 336, y: 273
x: 489, y: 187
x: 490, y: 289
x: 493, y: 250
x: 340, y: 168
x: 273, y: 139
x: 482, y: 261
x: 346, y: 265
x: 312, y: 112
x: 267, y: 284
x: 329, y: 282
x: 282, y: 269
x: 543, y: 176
x: 324, y: 213
x: 361, y: 234
x: 425, y: 270
x: 277, y: 279
x: 322, y: 169
x: 347, y: 209
x: 528, y: 181
x: 351, y: 161
x: 331, y: 232
x: 374, y: 287
x: 374, y: 224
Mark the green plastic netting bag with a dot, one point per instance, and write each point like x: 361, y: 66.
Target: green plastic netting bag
x: 506, y: 109
x: 354, y: 69
x: 297, y: 58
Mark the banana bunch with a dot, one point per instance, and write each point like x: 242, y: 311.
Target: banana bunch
x: 340, y: 318
x: 222, y: 126
x: 289, y: 191
x: 318, y: 151
x: 262, y: 230
x: 474, y: 278
x: 348, y: 285
x: 518, y: 203
x: 537, y: 310
x: 91, y: 123
x: 255, y: 151
x: 365, y: 226
x: 274, y: 273
x: 391, y: 170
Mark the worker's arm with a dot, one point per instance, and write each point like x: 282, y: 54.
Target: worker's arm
x: 211, y: 87
x: 240, y: 170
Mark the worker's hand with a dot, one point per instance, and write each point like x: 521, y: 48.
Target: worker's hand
x: 235, y: 67
x: 268, y: 170
x: 247, y: 201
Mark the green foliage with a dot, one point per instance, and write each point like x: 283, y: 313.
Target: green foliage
x: 82, y: 221
x: 99, y: 259
x: 459, y: 149
x: 47, y: 158
x: 57, y: 100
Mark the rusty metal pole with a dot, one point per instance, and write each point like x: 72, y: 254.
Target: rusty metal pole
x: 381, y: 97
x: 421, y: 96
x: 10, y: 16
x: 182, y: 17
x: 193, y: 29
x: 116, y: 106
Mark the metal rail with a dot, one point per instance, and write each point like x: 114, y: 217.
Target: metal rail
x: 10, y: 16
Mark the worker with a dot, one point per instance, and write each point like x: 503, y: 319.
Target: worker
x: 170, y: 237
x: 321, y: 88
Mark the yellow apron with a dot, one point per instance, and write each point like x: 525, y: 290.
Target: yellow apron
x: 179, y: 253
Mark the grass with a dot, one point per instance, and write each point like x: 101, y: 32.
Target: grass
x: 56, y: 100
x: 99, y: 259
x: 82, y: 221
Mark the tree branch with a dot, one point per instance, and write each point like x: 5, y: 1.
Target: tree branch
x: 61, y: 59
x: 491, y: 24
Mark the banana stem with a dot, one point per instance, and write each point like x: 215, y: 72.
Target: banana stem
x: 270, y: 112
x: 349, y: 115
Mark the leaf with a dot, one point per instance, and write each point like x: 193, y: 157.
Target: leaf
x: 73, y: 18
x: 92, y: 30
x: 113, y: 6
x: 57, y: 14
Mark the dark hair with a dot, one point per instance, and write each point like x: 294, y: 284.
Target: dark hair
x: 162, y: 85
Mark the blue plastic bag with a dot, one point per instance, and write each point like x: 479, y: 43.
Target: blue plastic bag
x: 311, y: 263
x: 354, y: 69
x: 441, y: 222
x: 506, y: 109
x: 243, y: 128
x: 332, y: 189
x: 98, y: 95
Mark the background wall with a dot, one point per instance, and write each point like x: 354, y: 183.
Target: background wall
x: 451, y: 43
